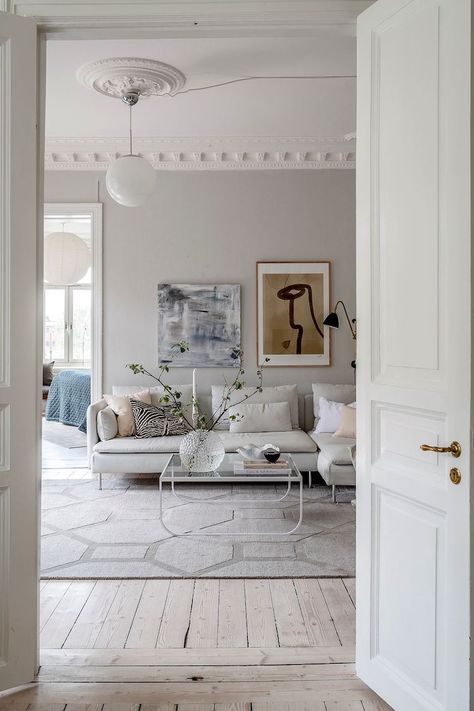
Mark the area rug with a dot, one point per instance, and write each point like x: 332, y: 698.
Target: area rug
x: 63, y: 435
x: 116, y: 532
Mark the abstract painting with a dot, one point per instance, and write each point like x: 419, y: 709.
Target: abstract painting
x: 207, y: 317
x: 292, y: 303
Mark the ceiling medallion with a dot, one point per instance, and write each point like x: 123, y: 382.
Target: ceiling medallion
x: 117, y: 76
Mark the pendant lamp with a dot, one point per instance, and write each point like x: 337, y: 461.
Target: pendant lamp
x: 130, y: 179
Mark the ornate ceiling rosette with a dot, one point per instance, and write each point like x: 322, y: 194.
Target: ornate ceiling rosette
x: 117, y: 76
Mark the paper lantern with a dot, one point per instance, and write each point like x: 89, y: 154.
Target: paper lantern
x: 66, y: 258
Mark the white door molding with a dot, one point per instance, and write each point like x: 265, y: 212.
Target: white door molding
x: 93, y: 210
x: 231, y: 18
x: 20, y: 393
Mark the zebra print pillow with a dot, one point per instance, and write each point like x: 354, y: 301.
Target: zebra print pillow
x: 156, y: 420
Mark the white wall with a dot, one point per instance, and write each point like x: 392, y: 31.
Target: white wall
x: 212, y: 227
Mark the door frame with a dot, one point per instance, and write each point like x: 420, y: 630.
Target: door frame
x: 93, y: 210
x: 70, y: 20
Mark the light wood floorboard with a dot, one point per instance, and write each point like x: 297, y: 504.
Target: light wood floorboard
x: 197, y: 645
x: 176, y: 616
x: 232, y: 624
x: 261, y: 628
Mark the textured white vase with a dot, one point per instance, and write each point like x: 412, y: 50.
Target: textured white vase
x: 201, y: 451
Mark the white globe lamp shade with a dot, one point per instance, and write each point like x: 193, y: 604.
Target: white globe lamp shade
x: 66, y: 258
x: 130, y: 180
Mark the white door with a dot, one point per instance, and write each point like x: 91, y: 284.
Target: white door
x: 19, y: 376
x: 414, y: 352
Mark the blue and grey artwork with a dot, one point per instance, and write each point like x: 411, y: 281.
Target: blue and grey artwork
x: 207, y: 317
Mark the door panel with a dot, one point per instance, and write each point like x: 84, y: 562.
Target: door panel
x: 414, y: 351
x: 408, y: 217
x: 412, y: 648
x: 19, y: 372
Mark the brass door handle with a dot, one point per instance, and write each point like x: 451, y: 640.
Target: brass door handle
x: 454, y: 449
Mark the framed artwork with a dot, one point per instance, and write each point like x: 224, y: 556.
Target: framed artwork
x: 207, y: 317
x: 292, y: 302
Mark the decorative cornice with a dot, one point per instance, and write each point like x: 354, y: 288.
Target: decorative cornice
x: 210, y: 153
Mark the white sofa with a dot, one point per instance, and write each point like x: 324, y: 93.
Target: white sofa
x: 312, y: 453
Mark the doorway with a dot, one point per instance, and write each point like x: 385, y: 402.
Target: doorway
x: 177, y: 616
x: 72, y: 331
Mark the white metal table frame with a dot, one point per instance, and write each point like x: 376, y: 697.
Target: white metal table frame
x: 169, y: 476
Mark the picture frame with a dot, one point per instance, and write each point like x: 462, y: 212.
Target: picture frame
x: 293, y: 298
x: 206, y: 317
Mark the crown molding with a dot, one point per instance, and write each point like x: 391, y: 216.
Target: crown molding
x: 209, y: 153
x: 161, y: 18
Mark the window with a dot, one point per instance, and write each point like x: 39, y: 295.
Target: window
x: 68, y: 309
x: 67, y: 317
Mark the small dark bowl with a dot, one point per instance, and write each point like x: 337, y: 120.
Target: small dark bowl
x: 272, y: 456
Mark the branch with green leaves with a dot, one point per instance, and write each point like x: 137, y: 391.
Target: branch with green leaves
x: 173, y: 396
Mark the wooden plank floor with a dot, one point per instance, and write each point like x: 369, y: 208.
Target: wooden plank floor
x: 197, y: 645
x: 197, y: 614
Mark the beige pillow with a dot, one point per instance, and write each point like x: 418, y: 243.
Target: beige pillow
x: 261, y: 417
x: 120, y: 404
x: 347, y: 428
x: 275, y: 393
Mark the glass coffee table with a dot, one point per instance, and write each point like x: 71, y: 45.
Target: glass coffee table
x: 174, y: 473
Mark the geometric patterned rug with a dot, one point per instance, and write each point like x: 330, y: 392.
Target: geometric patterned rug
x: 116, y: 532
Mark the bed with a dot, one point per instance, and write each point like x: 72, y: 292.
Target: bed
x: 69, y: 397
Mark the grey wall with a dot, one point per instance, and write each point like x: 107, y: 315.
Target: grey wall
x: 213, y: 227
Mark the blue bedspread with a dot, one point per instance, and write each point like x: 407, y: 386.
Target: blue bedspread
x: 69, y: 397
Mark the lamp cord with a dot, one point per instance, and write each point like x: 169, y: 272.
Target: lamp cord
x: 130, y: 129
x: 240, y: 79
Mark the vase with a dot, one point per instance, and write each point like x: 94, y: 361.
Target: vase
x: 201, y: 451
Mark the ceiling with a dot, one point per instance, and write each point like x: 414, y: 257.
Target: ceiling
x: 286, y: 107
x: 316, y: 108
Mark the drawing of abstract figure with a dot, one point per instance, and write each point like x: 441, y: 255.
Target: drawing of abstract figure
x: 293, y: 307
x: 290, y: 294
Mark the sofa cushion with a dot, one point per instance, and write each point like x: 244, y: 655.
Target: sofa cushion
x: 156, y: 420
x: 132, y: 445
x: 293, y: 441
x: 261, y: 417
x: 120, y: 404
x: 329, y: 415
x: 277, y: 393
x: 336, y: 450
x: 107, y: 427
x: 347, y: 427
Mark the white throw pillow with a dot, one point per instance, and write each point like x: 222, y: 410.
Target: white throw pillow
x: 107, y: 427
x: 334, y: 393
x: 261, y: 417
x: 329, y: 415
x: 277, y: 393
x: 120, y: 404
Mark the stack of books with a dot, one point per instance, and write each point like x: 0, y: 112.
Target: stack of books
x: 260, y: 467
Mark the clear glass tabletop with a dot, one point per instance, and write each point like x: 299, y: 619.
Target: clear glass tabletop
x: 174, y: 471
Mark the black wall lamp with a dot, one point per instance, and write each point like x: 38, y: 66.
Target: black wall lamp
x: 332, y: 320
